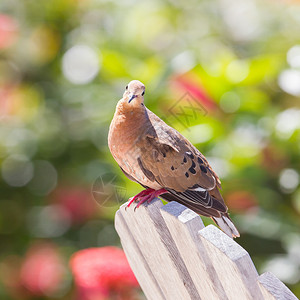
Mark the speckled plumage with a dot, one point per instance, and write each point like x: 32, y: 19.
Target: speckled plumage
x: 158, y: 157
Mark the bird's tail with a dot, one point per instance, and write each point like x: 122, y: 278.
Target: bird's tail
x: 225, y: 223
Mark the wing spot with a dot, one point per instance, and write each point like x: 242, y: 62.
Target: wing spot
x: 164, y: 154
x: 193, y: 164
x: 184, y: 160
x: 186, y: 174
x: 203, y: 169
x: 190, y: 154
x: 200, y: 161
x: 172, y: 168
x: 192, y: 170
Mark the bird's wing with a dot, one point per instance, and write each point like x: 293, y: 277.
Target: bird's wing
x: 199, y: 209
x: 173, y: 162
x: 129, y: 176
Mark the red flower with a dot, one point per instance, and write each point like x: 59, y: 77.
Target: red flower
x: 103, y: 272
x: 42, y: 270
x: 241, y: 201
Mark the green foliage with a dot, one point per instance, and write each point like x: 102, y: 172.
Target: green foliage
x: 63, y: 67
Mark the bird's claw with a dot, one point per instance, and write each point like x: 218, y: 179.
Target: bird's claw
x: 144, y: 196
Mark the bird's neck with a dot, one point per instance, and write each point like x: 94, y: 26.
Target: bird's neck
x: 134, y: 113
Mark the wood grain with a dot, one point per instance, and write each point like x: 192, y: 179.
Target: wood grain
x: 175, y: 257
x: 273, y: 289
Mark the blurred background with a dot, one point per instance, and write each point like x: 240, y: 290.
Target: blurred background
x: 64, y: 64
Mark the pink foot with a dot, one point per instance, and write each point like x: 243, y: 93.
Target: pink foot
x: 140, y: 195
x: 145, y: 196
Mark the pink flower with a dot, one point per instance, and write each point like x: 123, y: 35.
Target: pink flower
x: 77, y: 201
x: 103, y: 272
x: 8, y: 31
x: 191, y: 83
x: 42, y: 270
x: 6, y: 100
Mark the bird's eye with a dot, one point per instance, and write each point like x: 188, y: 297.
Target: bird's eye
x: 143, y: 93
x: 126, y: 87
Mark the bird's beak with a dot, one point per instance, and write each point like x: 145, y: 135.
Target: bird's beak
x: 131, y: 97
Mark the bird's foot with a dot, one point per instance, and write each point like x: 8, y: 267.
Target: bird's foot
x: 145, y: 196
x: 139, y: 195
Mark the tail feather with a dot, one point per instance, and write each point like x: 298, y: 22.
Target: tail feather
x: 225, y: 223
x: 221, y: 219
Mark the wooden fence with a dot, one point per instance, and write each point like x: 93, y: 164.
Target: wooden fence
x: 174, y: 256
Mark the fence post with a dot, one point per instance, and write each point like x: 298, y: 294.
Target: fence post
x: 174, y: 256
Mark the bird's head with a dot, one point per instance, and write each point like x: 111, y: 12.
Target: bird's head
x: 134, y: 91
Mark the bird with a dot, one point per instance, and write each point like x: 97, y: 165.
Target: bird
x: 163, y: 161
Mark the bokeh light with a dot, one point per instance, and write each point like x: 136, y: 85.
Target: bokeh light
x: 289, y: 81
x: 80, y: 64
x: 48, y: 221
x: 224, y: 73
x: 43, y: 270
x: 230, y: 102
x: 17, y: 170
x: 293, y: 56
x: 287, y: 122
x: 288, y: 180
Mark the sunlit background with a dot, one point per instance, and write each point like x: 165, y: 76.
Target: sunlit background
x: 64, y: 65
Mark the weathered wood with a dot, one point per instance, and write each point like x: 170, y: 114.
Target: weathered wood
x: 232, y: 264
x: 158, y: 250
x: 273, y: 289
x: 175, y: 257
x: 184, y: 226
x: 137, y: 261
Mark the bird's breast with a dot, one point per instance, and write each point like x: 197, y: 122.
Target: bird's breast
x: 124, y: 140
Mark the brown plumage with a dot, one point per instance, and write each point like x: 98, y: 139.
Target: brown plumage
x: 159, y: 158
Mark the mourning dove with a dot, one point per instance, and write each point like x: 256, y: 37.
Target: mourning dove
x: 164, y: 162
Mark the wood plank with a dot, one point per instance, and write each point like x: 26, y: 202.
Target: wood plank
x: 175, y: 257
x: 136, y: 259
x: 156, y: 245
x: 273, y: 289
x: 232, y: 263
x: 184, y: 225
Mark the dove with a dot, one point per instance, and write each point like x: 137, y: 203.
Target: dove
x: 163, y: 161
